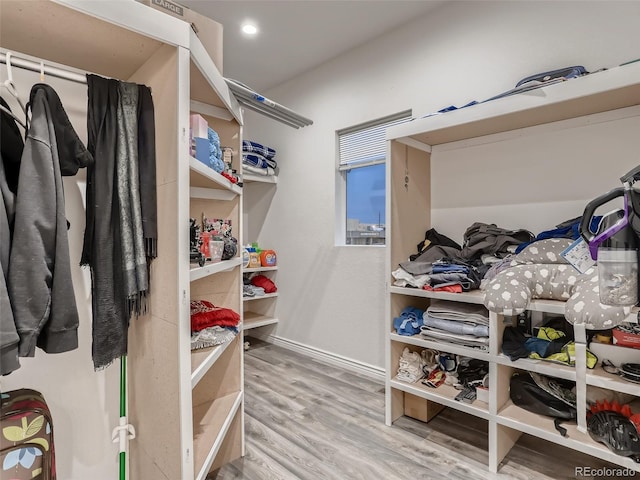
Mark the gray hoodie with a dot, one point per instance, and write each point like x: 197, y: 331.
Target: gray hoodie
x: 39, y: 281
x: 8, y: 335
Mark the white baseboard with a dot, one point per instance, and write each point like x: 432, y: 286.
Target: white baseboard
x: 355, y: 366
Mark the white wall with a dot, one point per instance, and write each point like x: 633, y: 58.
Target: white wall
x: 332, y: 298
x: 84, y: 404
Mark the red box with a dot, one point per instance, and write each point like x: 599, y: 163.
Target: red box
x: 626, y: 337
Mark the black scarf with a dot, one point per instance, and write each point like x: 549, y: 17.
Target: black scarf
x: 103, y: 242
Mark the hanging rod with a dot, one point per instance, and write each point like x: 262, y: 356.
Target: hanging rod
x: 48, y: 70
x: 263, y: 105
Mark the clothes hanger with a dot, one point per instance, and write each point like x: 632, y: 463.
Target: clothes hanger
x: 10, y: 86
x: 9, y: 112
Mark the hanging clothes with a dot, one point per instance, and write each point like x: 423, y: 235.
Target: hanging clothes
x: 11, y: 148
x: 39, y: 279
x: 147, y: 170
x: 119, y: 204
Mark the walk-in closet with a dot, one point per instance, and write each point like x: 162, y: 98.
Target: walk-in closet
x: 314, y: 240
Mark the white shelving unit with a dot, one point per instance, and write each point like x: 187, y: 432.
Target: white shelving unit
x: 252, y: 177
x: 186, y: 407
x: 260, y: 297
x: 259, y: 311
x: 413, y: 148
x: 216, y: 372
x: 197, y: 273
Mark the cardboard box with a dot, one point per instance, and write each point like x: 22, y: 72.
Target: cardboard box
x: 420, y: 408
x: 208, y: 31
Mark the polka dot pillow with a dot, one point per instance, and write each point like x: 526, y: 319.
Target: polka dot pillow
x: 539, y: 271
x: 584, y: 305
x: 511, y: 290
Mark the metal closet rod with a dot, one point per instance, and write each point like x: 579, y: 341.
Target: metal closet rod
x: 48, y: 70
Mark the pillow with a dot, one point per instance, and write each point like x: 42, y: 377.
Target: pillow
x: 539, y: 271
x: 511, y: 290
x: 584, y: 305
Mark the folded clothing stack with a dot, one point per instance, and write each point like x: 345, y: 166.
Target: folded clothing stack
x: 410, y: 366
x: 211, y: 325
x: 459, y: 323
x: 258, y: 159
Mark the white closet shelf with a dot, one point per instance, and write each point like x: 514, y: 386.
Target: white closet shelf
x: 27, y: 28
x: 252, y: 177
x: 473, y: 296
x: 213, y: 268
x: 539, y: 366
x: 599, y: 378
x: 256, y: 320
x: 201, y: 176
x: 259, y: 269
x: 207, y: 83
x: 539, y: 426
x: 203, y: 359
x: 260, y: 297
x: 211, y: 421
x: 443, y: 395
x: 598, y: 92
x: 477, y: 296
x: 419, y: 341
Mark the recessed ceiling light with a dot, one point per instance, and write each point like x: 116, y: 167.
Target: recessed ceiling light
x: 249, y: 29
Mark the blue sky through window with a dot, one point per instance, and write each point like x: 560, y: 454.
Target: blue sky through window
x: 366, y: 194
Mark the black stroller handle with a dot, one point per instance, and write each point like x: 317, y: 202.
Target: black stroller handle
x: 590, y: 210
x: 631, y: 176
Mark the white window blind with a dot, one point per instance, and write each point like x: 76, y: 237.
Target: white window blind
x: 365, y: 144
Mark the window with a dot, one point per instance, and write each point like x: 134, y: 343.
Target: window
x: 362, y: 151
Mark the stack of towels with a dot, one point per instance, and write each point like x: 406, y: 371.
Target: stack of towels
x: 258, y: 159
x: 459, y: 323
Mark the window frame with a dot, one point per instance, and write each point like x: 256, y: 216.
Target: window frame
x: 354, y: 161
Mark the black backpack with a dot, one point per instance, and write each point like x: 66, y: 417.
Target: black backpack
x: 526, y: 393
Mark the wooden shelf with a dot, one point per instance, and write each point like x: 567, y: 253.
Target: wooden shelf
x: 211, y: 421
x: 256, y: 320
x: 611, y: 89
x: 260, y: 297
x: 539, y: 366
x: 443, y: 395
x: 203, y: 359
x: 202, y: 176
x: 213, y: 268
x: 259, y: 269
x: 599, y: 378
x: 477, y: 297
x: 539, y: 426
x: 419, y: 341
x: 425, y: 147
x: 252, y: 177
x: 208, y: 86
x: 473, y: 296
x: 115, y: 42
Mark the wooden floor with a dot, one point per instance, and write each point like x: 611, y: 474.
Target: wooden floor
x: 306, y: 420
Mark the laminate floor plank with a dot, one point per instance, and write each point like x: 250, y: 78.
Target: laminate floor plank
x: 305, y: 420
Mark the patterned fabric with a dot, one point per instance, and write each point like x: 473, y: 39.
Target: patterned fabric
x: 253, y: 147
x: 254, y: 160
x: 584, y: 305
x: 539, y: 271
x: 26, y: 443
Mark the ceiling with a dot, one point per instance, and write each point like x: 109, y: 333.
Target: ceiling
x: 298, y: 35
